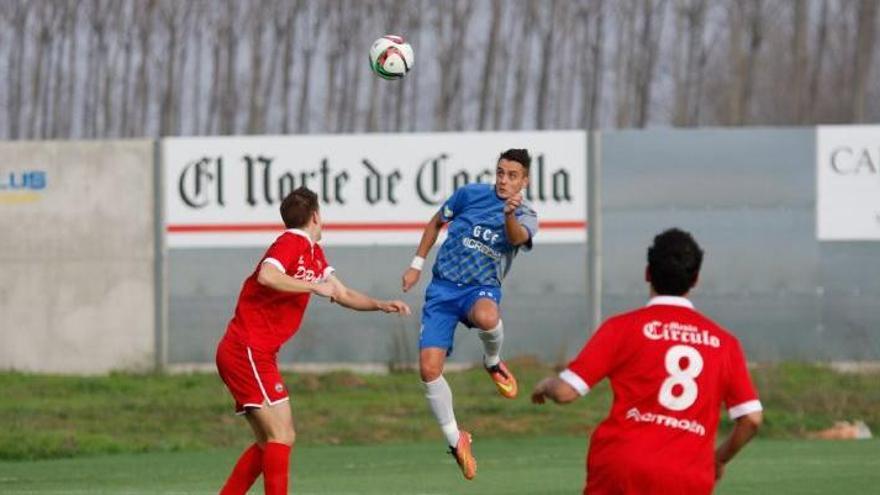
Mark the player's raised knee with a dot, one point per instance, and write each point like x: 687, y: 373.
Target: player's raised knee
x: 486, y: 319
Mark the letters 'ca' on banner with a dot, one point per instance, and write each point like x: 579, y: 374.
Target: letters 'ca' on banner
x: 373, y: 188
x: 848, y: 183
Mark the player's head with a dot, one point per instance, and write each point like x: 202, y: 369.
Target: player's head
x: 512, y: 172
x: 299, y: 210
x: 673, y: 263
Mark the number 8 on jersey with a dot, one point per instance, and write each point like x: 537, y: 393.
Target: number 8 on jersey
x: 681, y: 377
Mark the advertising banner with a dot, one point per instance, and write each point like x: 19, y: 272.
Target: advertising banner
x: 373, y: 188
x: 848, y: 183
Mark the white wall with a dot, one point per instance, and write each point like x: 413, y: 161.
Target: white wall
x: 77, y: 257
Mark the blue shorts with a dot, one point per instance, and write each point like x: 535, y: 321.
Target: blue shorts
x: 446, y: 305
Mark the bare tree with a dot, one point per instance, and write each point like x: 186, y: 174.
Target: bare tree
x: 819, y: 56
x: 18, y: 19
x: 746, y: 18
x: 692, y: 14
x: 55, y: 46
x: 523, y: 66
x: 188, y: 24
x: 568, y: 67
x: 127, y: 25
x: 314, y: 22
x: 52, y: 116
x: 547, y: 46
x: 229, y: 102
x: 598, y: 59
x: 170, y: 14
x: 48, y: 16
x: 95, y: 31
x: 417, y: 7
x: 348, y: 30
x: 489, y: 62
x: 756, y: 37
x: 371, y: 117
x: 142, y: 85
x: 625, y: 62
x: 652, y: 29
x: 110, y: 55
x: 196, y: 37
x: 289, y: 13
x: 212, y: 123
x: 281, y: 60
x: 358, y: 66
x: 864, y: 55
x: 799, y: 59
x: 451, y: 24
x: 66, y: 129
x: 501, y: 71
x: 400, y: 100
x: 258, y: 17
x: 102, y: 17
x: 332, y: 56
x: 349, y: 21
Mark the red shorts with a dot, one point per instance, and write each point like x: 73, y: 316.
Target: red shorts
x: 627, y: 480
x: 251, y: 375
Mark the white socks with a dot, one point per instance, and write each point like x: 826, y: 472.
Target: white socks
x: 439, y: 394
x: 492, y: 340
x: 439, y: 397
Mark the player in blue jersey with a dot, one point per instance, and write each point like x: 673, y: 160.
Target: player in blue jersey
x: 488, y: 225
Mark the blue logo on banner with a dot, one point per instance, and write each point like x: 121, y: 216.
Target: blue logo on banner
x: 29, y: 180
x: 25, y: 186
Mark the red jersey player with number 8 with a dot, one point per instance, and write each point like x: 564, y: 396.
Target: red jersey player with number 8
x: 269, y: 311
x: 670, y: 369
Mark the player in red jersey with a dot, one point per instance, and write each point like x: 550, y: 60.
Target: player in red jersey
x: 670, y: 368
x: 269, y: 311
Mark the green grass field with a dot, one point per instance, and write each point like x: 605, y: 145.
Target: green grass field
x: 517, y: 466
x: 373, y: 434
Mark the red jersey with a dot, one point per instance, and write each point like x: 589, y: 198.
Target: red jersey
x: 265, y: 318
x: 670, y: 368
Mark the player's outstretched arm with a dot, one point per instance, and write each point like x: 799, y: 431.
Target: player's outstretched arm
x: 429, y: 238
x: 744, y: 429
x: 555, y: 389
x: 516, y: 233
x: 272, y: 277
x: 357, y: 301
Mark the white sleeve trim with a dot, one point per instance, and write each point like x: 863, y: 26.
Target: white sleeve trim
x: 327, y: 272
x: 576, y: 382
x: 741, y: 410
x: 277, y: 264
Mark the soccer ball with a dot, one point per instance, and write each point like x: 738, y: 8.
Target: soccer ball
x: 391, y: 57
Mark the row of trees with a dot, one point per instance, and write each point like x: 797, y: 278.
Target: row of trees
x: 128, y: 68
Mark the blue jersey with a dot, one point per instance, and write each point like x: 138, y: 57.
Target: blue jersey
x: 476, y: 251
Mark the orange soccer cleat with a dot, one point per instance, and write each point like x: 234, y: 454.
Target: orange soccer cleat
x: 504, y: 379
x: 463, y: 455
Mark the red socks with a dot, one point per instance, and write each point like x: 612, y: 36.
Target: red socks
x: 245, y: 472
x: 276, y: 462
x: 272, y: 462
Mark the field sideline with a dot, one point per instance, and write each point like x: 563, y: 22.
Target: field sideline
x: 516, y: 466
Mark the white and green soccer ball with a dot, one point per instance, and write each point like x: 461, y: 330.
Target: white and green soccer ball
x: 391, y: 57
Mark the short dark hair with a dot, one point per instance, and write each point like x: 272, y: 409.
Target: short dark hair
x: 674, y: 262
x: 297, y: 208
x: 520, y: 156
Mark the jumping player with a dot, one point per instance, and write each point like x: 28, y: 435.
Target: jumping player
x: 489, y: 225
x: 670, y: 368
x: 269, y: 311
